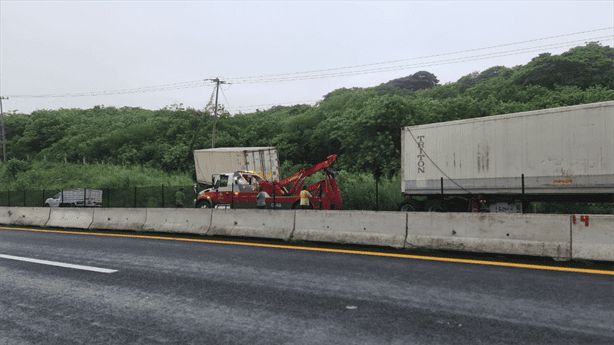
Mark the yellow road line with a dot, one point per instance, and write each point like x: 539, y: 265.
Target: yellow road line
x: 344, y: 251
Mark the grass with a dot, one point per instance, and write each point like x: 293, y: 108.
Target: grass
x: 51, y: 175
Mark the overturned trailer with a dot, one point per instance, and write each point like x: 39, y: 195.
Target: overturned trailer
x: 261, y: 160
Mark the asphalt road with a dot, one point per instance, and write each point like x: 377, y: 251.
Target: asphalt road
x: 176, y: 292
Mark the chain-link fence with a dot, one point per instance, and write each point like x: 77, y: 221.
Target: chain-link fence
x: 574, y: 207
x: 361, y: 196
x: 156, y: 196
x: 355, y: 195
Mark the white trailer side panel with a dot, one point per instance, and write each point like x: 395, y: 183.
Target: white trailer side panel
x: 559, y: 150
x: 264, y: 160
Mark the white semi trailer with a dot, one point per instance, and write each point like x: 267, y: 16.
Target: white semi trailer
x: 508, y: 161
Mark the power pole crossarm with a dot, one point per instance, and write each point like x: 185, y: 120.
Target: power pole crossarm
x: 3, y: 135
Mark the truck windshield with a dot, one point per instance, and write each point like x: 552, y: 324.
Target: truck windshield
x: 252, y: 179
x: 223, y: 180
x: 245, y: 179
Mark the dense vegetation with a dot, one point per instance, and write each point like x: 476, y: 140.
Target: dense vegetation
x: 360, y: 125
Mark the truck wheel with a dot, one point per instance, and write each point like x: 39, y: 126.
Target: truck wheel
x: 203, y: 204
x: 409, y: 206
x: 434, y: 206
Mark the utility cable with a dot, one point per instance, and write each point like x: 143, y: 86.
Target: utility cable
x: 223, y: 94
x: 424, y: 57
x: 402, y: 67
x: 436, y: 166
x: 174, y: 86
x: 274, y: 104
x: 271, y: 79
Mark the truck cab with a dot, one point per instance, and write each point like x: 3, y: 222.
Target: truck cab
x: 229, y: 188
x: 56, y: 201
x: 240, y: 181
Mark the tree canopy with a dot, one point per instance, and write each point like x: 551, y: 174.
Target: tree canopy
x: 361, y: 125
x: 421, y: 80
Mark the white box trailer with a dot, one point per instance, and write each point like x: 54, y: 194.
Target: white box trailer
x: 562, y: 153
x: 76, y: 198
x: 263, y: 160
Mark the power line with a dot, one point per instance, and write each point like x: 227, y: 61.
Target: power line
x: 224, y: 94
x: 174, y: 86
x: 296, y: 76
x: 425, y: 64
x: 423, y: 57
x: 274, y: 104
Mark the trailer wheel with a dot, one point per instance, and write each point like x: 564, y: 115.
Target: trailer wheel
x: 434, y: 206
x: 409, y: 206
x: 203, y: 204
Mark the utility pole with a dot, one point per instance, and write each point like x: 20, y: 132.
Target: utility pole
x: 2, y: 125
x: 217, y: 80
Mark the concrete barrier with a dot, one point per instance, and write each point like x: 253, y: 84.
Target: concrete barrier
x: 522, y: 234
x: 80, y: 218
x: 5, y: 215
x: 186, y: 220
x: 119, y: 218
x: 592, y: 238
x: 253, y: 223
x: 33, y: 216
x: 357, y: 227
x: 529, y: 234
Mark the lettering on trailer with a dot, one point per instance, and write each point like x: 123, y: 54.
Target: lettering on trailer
x: 421, y: 154
x: 562, y: 181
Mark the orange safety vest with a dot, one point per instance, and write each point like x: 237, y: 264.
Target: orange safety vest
x: 304, y: 195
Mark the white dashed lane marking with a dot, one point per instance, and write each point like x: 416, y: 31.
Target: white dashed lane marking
x: 60, y: 264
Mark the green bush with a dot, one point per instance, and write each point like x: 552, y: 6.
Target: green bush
x: 358, y: 192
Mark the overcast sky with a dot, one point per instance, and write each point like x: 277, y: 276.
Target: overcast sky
x: 269, y: 53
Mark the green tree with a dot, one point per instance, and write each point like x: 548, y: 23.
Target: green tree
x: 581, y: 66
x: 13, y: 167
x: 371, y: 138
x: 43, y: 129
x: 418, y: 81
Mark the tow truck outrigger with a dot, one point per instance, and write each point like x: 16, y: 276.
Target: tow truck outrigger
x: 240, y: 189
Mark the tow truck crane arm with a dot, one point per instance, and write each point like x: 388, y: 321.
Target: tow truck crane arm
x: 297, y: 180
x: 327, y: 190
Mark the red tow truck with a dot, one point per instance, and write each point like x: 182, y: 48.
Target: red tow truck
x: 240, y: 189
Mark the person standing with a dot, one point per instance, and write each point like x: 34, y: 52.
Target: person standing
x: 305, y: 195
x: 179, y: 198
x: 262, y: 195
